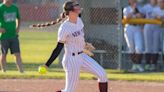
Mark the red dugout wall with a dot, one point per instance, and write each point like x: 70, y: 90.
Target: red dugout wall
x: 39, y: 12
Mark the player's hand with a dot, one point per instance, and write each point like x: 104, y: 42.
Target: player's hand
x: 17, y: 31
x: 88, y: 52
x: 2, y: 30
x: 88, y: 49
x: 89, y: 46
x: 159, y: 18
x: 138, y: 15
x: 129, y: 16
x: 162, y: 25
x: 42, y: 69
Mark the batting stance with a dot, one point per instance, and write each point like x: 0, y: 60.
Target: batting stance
x: 71, y: 37
x: 133, y: 35
x: 151, y: 37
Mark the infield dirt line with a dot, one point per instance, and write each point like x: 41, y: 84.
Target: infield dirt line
x: 49, y: 85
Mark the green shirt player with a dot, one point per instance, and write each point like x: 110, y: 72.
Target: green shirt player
x: 9, y: 30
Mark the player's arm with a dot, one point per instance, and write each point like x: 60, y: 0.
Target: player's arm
x: 62, y: 34
x: 156, y: 15
x: 159, y: 17
x: 18, y: 21
x: 127, y: 14
x: 143, y: 11
x: 138, y: 13
x: 2, y: 30
x: 55, y: 54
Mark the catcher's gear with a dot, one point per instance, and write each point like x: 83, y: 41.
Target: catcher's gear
x: 88, y: 49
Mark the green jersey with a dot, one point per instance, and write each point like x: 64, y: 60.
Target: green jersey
x: 8, y: 16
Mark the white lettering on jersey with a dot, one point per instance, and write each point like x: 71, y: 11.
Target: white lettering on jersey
x: 9, y: 17
x: 72, y: 35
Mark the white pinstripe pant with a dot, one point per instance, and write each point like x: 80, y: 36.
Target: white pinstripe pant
x: 72, y: 66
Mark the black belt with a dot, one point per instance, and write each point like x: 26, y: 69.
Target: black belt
x: 73, y: 54
x: 135, y: 24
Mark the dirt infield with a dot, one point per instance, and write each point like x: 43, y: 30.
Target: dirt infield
x: 84, y: 86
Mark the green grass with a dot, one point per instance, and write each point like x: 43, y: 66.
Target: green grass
x: 36, y: 48
x: 59, y: 74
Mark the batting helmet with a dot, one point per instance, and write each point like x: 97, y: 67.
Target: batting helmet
x: 69, y: 6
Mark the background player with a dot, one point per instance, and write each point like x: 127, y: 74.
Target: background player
x: 151, y: 37
x: 9, y: 26
x: 133, y: 35
x: 71, y: 37
x: 159, y: 14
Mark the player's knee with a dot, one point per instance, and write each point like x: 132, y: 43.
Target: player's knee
x: 102, y: 77
x: 17, y: 54
x: 3, y: 55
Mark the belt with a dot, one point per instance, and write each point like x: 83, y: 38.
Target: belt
x: 135, y: 24
x: 73, y: 54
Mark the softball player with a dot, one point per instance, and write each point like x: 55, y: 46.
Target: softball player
x: 133, y: 35
x: 159, y: 14
x: 71, y: 37
x: 151, y: 37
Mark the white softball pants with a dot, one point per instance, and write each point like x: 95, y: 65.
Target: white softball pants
x: 162, y: 32
x: 134, y: 39
x: 152, y: 39
x: 72, y: 66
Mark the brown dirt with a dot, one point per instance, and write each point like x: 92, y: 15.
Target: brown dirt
x: 21, y: 85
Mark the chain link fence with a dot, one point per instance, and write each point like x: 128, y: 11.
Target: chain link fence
x: 102, y: 19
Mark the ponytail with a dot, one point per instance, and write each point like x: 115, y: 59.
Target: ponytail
x: 60, y: 19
